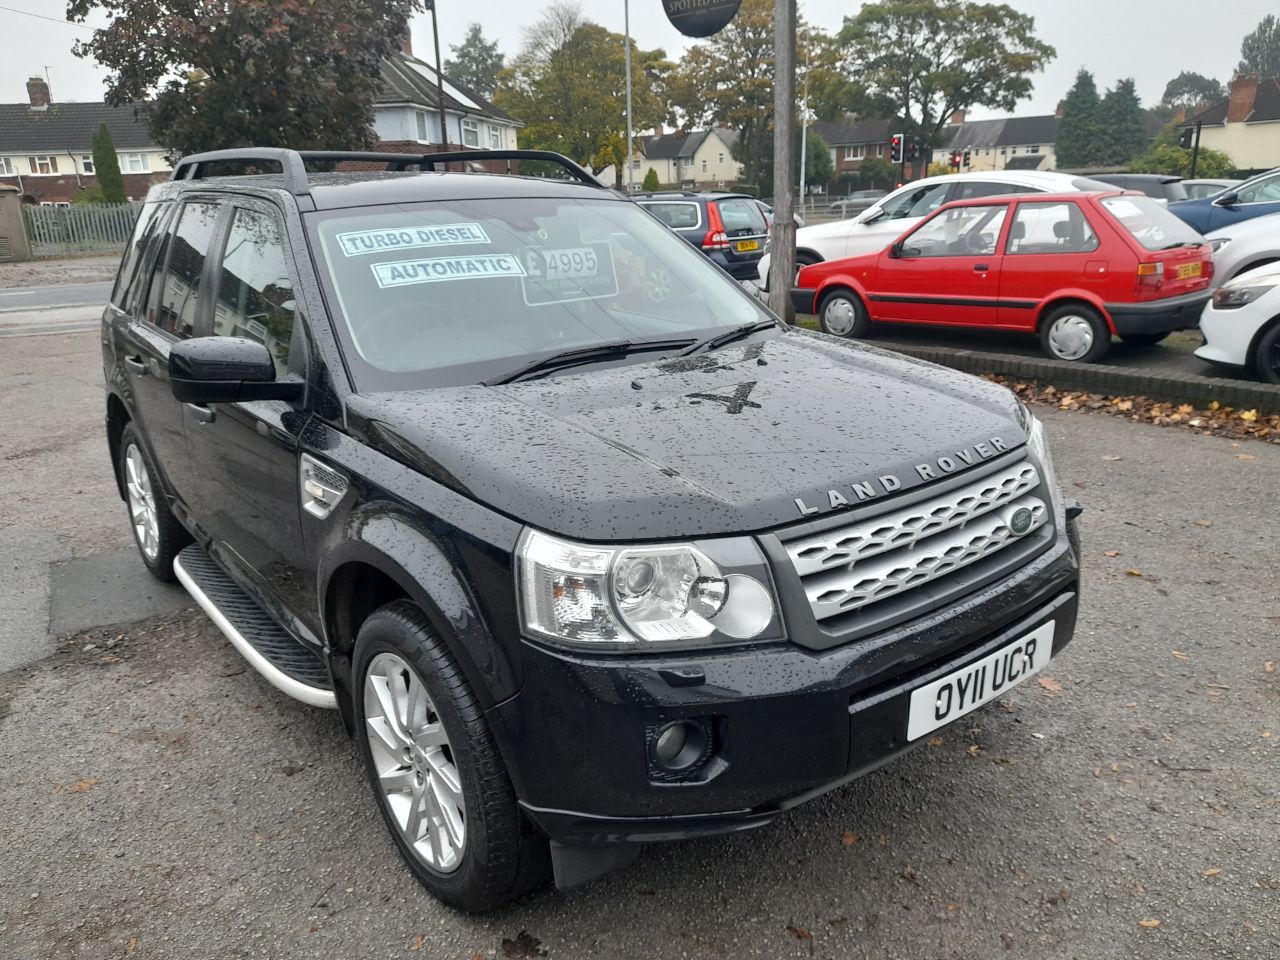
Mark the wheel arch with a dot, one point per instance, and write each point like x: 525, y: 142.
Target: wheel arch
x: 1066, y: 297
x: 1260, y: 262
x: 117, y: 419
x: 1251, y: 357
x: 841, y: 281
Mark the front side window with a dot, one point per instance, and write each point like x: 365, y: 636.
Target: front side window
x: 1150, y: 223
x: 254, y: 295
x: 1262, y: 190
x: 958, y: 232
x: 43, y: 166
x: 126, y: 278
x: 914, y: 202
x: 447, y: 293
x: 470, y: 133
x: 1051, y: 228
x: 188, y: 249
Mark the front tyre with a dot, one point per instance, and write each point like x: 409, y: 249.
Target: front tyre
x: 1075, y: 332
x: 1266, y: 358
x: 842, y: 314
x: 157, y: 532
x: 434, y: 768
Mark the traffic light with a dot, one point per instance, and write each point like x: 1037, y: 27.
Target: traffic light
x: 966, y: 156
x: 913, y: 150
x: 956, y: 157
x: 1184, y: 141
x: 895, y: 148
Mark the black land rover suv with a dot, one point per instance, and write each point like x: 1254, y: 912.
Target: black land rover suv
x: 585, y: 560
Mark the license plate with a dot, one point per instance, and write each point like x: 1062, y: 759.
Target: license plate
x: 951, y: 697
x: 1187, y: 270
x: 746, y: 246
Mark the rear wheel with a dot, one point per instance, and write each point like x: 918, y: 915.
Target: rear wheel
x: 434, y: 768
x: 1266, y: 357
x: 1144, y: 339
x: 1075, y: 332
x: 842, y: 314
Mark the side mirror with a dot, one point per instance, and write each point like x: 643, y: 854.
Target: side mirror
x: 895, y: 251
x: 225, y: 370
x: 1227, y: 199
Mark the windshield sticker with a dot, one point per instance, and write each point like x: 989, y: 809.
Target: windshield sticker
x: 568, y: 274
x: 411, y: 238
x: 401, y: 273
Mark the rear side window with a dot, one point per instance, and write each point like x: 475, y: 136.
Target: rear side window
x: 188, y: 249
x: 254, y: 295
x: 1150, y: 223
x: 972, y: 189
x: 1051, y: 228
x: 740, y: 216
x: 915, y: 203
x: 676, y: 214
x: 127, y: 279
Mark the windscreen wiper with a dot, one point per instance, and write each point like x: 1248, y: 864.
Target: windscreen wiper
x: 581, y: 355
x: 729, y: 336
x: 1183, y: 243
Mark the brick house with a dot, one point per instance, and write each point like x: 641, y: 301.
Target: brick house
x: 1003, y: 143
x: 1245, y: 125
x: 852, y: 141
x: 46, y: 148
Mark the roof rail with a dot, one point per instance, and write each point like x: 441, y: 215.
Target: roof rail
x: 293, y: 162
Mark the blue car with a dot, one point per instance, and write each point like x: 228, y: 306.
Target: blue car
x: 1253, y: 198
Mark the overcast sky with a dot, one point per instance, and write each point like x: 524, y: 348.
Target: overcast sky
x: 1149, y: 41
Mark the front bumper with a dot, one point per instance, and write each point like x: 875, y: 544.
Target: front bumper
x: 802, y: 298
x: 788, y: 723
x: 1228, y: 334
x: 1158, y: 316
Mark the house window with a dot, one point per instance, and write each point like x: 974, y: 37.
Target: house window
x: 1034, y: 148
x: 6, y: 167
x: 421, y: 119
x: 470, y: 133
x: 86, y: 164
x: 704, y: 166
x: 1013, y: 150
x: 879, y: 149
x: 848, y: 153
x: 721, y: 160
x: 43, y: 166
x: 495, y: 137
x: 635, y: 163
x: 134, y: 163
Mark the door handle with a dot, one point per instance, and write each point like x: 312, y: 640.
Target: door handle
x: 137, y: 365
x: 201, y: 414
x: 981, y: 267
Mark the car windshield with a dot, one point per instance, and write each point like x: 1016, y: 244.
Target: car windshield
x: 1150, y: 223
x: 446, y: 293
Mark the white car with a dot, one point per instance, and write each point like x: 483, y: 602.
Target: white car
x: 1241, y: 324
x: 1242, y: 246
x: 891, y: 216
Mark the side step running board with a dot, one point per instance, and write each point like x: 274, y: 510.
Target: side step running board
x: 284, y: 662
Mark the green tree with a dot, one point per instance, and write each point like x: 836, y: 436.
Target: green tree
x: 1189, y: 90
x: 250, y: 72
x: 568, y: 84
x: 1124, y: 132
x: 1165, y: 156
x: 1260, y: 50
x: 651, y: 181
x: 928, y: 59
x: 876, y: 172
x: 476, y: 62
x: 106, y: 167
x: 1079, y: 133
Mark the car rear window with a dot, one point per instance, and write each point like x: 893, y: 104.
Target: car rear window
x: 1149, y: 223
x: 738, y: 215
x: 676, y: 214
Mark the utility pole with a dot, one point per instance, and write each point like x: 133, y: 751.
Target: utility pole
x: 626, y: 29
x: 804, y: 134
x: 435, y: 36
x: 1195, y: 150
x: 782, y: 240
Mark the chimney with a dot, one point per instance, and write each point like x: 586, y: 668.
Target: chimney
x: 957, y: 118
x: 38, y: 92
x: 1059, y: 110
x: 406, y: 42
x: 1240, y: 105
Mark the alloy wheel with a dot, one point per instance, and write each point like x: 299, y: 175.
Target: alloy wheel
x: 416, y: 766
x: 142, y: 502
x: 1071, y: 336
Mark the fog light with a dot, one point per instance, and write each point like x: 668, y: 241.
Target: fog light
x: 680, y: 745
x: 670, y: 742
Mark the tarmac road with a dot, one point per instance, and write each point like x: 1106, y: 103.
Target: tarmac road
x: 161, y: 800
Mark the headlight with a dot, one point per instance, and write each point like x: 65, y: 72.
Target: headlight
x: 642, y: 598
x: 1038, y: 444
x: 1242, y: 290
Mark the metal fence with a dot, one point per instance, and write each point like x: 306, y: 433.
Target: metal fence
x: 79, y: 228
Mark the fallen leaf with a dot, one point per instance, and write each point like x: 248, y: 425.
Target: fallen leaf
x: 1269, y: 667
x: 1140, y: 888
x: 1051, y: 686
x: 1133, y: 573
x: 934, y: 741
x: 1178, y: 654
x: 1212, y: 872
x: 522, y: 946
x: 1204, y: 523
x: 419, y: 941
x: 1111, y: 553
x: 884, y: 841
x: 1250, y: 415
x: 1148, y: 924
x: 1245, y: 456
x: 974, y: 750
x: 1111, y: 456
x: 1113, y: 839
x: 132, y: 945
x: 800, y: 933
x: 83, y: 786
x: 849, y: 838
x: 953, y: 907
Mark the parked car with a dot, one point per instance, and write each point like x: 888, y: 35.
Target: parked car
x: 1253, y: 198
x: 767, y: 210
x: 1244, y: 246
x: 885, y: 219
x: 585, y: 561
x: 1241, y: 323
x: 1074, y: 268
x: 1199, y: 189
x: 1159, y: 187
x: 855, y: 203
x: 730, y: 228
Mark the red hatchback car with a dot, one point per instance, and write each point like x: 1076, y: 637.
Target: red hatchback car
x: 1074, y: 268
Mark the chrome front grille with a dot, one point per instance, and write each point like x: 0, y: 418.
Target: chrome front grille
x: 851, y: 568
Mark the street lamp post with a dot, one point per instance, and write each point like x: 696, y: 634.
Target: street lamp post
x: 626, y: 27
